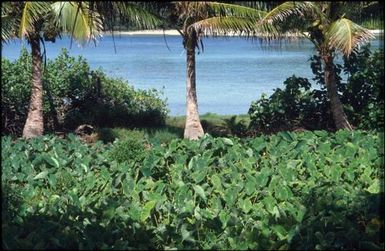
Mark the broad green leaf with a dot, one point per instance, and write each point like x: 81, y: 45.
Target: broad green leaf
x: 224, y: 217
x: 374, y: 187
x: 52, y: 161
x: 216, y: 182
x: 199, y: 190
x: 228, y: 141
x: 146, y: 211
x: 286, y: 135
x: 41, y: 175
x: 280, y: 231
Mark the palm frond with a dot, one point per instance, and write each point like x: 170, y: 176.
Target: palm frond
x: 224, y: 25
x: 32, y: 11
x: 8, y: 22
x: 138, y: 15
x: 232, y: 25
x: 78, y: 20
x: 291, y: 8
x: 345, y: 35
x: 225, y: 9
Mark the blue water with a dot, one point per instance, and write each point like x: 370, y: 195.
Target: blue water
x: 231, y: 72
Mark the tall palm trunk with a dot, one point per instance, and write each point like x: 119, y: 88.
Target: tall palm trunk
x: 34, y: 126
x: 193, y: 128
x: 339, y: 116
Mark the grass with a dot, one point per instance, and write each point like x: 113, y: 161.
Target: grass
x: 214, y: 124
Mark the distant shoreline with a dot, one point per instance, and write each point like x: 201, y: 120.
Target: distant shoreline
x: 176, y: 33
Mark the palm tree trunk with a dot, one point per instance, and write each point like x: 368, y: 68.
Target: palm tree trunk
x: 34, y: 126
x: 193, y: 128
x: 339, y: 116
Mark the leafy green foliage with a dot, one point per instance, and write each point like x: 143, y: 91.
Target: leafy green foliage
x: 74, y: 95
x: 307, y: 190
x: 297, y: 106
x: 129, y: 148
x: 293, y: 107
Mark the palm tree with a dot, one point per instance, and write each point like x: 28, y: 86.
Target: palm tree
x: 194, y: 20
x: 34, y: 21
x: 81, y: 20
x: 327, y: 27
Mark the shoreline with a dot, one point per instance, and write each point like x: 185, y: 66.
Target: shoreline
x: 176, y: 33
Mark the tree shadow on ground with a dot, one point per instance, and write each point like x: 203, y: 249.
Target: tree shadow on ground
x: 74, y: 229
x: 335, y: 222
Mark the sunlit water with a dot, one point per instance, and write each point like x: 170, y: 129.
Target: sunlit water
x: 231, y: 72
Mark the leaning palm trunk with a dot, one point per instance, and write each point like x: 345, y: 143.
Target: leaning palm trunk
x: 34, y: 125
x: 339, y: 116
x: 193, y: 128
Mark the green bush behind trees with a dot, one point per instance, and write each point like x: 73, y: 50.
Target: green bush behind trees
x: 74, y: 95
x: 307, y: 190
x: 297, y: 105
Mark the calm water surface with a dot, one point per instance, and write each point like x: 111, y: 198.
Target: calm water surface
x: 231, y: 73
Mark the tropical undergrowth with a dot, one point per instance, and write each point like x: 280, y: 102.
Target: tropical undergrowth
x: 301, y: 106
x: 73, y: 95
x: 304, y: 190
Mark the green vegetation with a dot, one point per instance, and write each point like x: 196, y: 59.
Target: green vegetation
x: 307, y: 190
x: 74, y: 95
x: 136, y: 184
x: 297, y: 106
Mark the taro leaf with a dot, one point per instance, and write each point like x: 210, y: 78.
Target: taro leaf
x: 148, y: 164
x: 300, y: 145
x: 321, y: 134
x: 147, y: 210
x: 52, y: 161
x: 282, y: 192
x: 250, y: 186
x: 216, y: 182
x: 41, y: 175
x: 199, y: 175
x: 324, y: 148
x: 280, y: 231
x: 230, y: 196
x: 262, y: 178
x: 293, y: 163
x: 52, y: 180
x: 199, y: 190
x: 269, y: 203
x: 134, y: 212
x: 374, y: 187
x: 228, y: 141
x: 286, y: 135
x: 186, y: 235
x: 224, y: 218
x: 245, y: 205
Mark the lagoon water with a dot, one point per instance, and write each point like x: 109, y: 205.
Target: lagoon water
x: 231, y: 72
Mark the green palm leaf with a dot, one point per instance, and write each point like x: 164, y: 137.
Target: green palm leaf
x: 232, y: 25
x: 32, y: 11
x: 8, y: 23
x: 345, y: 35
x: 293, y: 9
x: 78, y: 20
x: 138, y: 15
x: 224, y: 9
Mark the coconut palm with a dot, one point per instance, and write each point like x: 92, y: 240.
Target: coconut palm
x: 83, y: 21
x: 35, y: 21
x: 325, y: 24
x: 194, y: 20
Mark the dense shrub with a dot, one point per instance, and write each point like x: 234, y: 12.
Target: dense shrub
x: 129, y: 148
x: 308, y: 190
x: 73, y: 95
x: 299, y: 106
x: 293, y: 107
